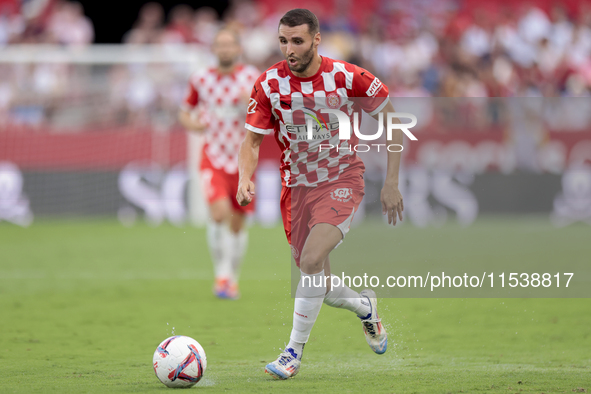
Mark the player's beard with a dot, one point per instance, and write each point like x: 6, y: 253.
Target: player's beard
x: 226, y: 63
x: 304, y: 61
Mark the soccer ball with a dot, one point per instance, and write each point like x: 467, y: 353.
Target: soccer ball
x: 179, y: 361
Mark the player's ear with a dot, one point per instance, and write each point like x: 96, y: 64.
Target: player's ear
x: 317, y: 39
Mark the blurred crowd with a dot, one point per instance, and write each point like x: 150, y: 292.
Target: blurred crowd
x: 44, y: 22
x: 422, y: 48
x: 445, y: 48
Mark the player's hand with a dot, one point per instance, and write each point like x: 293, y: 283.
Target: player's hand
x: 245, y: 96
x: 192, y: 120
x: 198, y: 120
x: 245, y: 193
x: 392, y: 203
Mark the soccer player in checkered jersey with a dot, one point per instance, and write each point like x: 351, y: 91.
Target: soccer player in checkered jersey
x: 321, y: 189
x: 215, y: 105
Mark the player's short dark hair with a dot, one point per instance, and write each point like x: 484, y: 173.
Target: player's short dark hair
x: 301, y: 16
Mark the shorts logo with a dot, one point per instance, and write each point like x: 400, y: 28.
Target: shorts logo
x: 374, y: 88
x: 294, y: 252
x: 252, y: 105
x: 343, y: 194
x: 333, y: 100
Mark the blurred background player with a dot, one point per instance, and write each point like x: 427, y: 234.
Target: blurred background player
x: 216, y: 105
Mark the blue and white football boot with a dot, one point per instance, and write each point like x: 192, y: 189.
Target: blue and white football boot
x: 286, y: 366
x: 375, y: 333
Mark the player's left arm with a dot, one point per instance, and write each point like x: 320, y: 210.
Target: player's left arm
x: 391, y: 198
x: 374, y: 99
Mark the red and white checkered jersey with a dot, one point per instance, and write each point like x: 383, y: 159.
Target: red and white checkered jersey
x: 222, y: 105
x: 280, y: 101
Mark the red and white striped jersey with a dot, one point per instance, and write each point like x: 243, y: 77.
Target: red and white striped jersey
x: 280, y: 101
x: 222, y: 104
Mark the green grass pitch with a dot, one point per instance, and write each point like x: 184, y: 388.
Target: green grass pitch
x: 83, y: 306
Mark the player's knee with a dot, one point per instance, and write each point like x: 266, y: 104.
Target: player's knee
x: 218, y: 213
x: 236, y: 224
x: 217, y: 217
x: 312, y: 261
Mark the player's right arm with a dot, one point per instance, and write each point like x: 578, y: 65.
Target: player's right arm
x: 188, y: 116
x: 259, y: 121
x: 248, y: 159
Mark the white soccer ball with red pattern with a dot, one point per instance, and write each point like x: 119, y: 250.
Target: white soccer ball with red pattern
x: 179, y: 361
